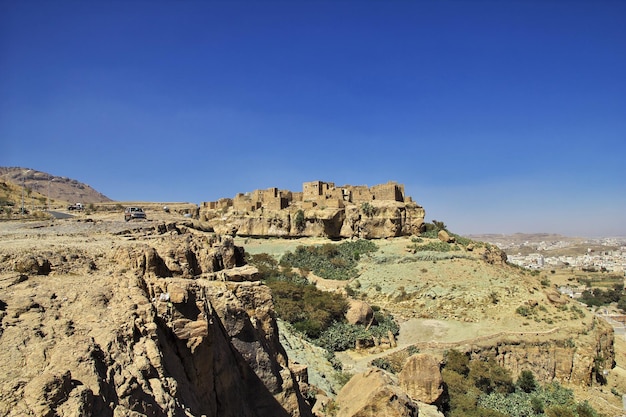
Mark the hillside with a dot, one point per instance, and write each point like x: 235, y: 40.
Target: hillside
x: 474, y: 302
x: 47, y: 186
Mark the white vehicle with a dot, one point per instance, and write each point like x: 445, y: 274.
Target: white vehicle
x: 134, y: 213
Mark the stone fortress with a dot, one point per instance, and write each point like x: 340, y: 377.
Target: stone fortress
x: 320, y: 209
x: 313, y: 194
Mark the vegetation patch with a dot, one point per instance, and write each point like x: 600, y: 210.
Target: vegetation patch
x: 482, y: 388
x: 343, y: 336
x: 597, y: 297
x: 435, y: 246
x: 330, y: 261
x: 319, y: 315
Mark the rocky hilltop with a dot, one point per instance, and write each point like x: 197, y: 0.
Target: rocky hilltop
x: 320, y: 209
x: 52, y: 186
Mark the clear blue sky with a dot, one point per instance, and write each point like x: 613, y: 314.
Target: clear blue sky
x: 498, y: 116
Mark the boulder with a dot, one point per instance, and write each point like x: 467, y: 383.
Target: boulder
x: 445, y: 237
x: 555, y: 298
x: 32, y: 265
x: 359, y: 312
x: 242, y: 273
x: 421, y: 378
x: 374, y: 393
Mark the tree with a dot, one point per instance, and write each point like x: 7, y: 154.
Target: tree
x: 457, y: 361
x: 440, y: 225
x: 526, y: 382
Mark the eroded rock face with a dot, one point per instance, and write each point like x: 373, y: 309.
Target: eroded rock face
x: 566, y: 360
x: 374, y: 393
x: 186, y: 256
x: 385, y: 219
x: 162, y: 333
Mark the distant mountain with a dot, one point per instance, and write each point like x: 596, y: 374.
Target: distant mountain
x: 53, y: 187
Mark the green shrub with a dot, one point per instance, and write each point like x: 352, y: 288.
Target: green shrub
x: 435, y: 246
x: 342, y: 336
x: 526, y: 382
x: 457, y: 361
x: 480, y: 387
x: 330, y: 261
x: 299, y: 220
x: 368, y: 209
x: 383, y: 364
x: 413, y: 350
x: 308, y: 309
x: 523, y: 311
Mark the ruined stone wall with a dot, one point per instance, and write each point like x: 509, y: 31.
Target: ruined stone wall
x: 360, y: 193
x: 243, y: 202
x: 389, y: 192
x: 334, y: 193
x: 275, y: 203
x: 332, y: 203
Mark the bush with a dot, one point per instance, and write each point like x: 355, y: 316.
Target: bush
x: 523, y: 311
x: 299, y: 220
x: 457, y: 361
x: 342, y: 336
x: 383, y: 364
x: 368, y: 209
x: 526, y: 382
x: 436, y: 246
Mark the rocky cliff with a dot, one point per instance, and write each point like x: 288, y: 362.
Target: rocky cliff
x: 379, y: 219
x: 155, y: 321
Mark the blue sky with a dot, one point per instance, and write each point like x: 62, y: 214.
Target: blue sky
x: 498, y: 116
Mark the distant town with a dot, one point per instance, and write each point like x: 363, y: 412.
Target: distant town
x: 597, y: 254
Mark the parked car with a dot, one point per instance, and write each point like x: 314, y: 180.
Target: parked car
x: 131, y: 213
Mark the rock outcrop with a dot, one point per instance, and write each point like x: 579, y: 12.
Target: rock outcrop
x: 386, y: 219
x: 421, y: 378
x: 567, y: 358
x: 174, y: 327
x: 374, y: 393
